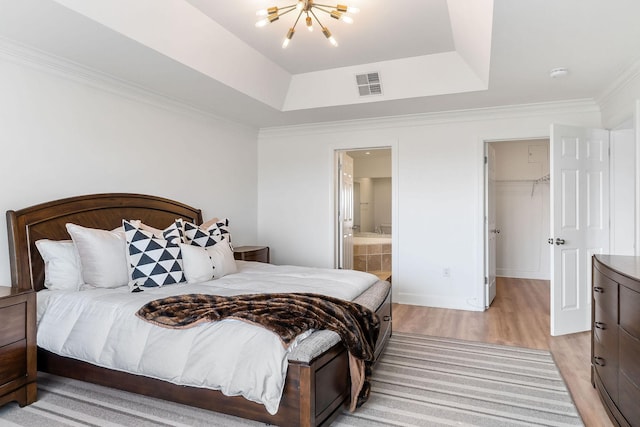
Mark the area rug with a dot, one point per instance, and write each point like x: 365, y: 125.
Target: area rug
x: 419, y: 381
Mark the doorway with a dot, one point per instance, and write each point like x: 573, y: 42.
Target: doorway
x: 578, y: 220
x: 517, y: 213
x: 364, y: 214
x: 522, y: 213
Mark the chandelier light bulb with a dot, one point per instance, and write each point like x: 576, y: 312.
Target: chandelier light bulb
x: 270, y: 18
x: 329, y: 37
x: 309, y: 23
x: 344, y: 18
x: 348, y: 9
x: 300, y: 5
x: 269, y: 11
x: 288, y: 38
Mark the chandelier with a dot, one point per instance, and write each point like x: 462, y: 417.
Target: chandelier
x: 306, y: 7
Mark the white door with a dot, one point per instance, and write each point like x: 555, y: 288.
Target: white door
x: 345, y: 211
x: 491, y: 231
x: 579, y: 221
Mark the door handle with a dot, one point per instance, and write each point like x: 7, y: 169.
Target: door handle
x: 600, y: 325
x: 598, y: 361
x: 598, y: 289
x: 559, y: 241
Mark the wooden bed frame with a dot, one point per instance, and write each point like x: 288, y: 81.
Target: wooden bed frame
x: 314, y: 392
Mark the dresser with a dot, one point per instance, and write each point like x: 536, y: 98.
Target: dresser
x: 17, y: 346
x: 615, y: 337
x: 252, y: 253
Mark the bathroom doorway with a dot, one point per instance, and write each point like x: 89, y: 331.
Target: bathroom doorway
x: 371, y: 225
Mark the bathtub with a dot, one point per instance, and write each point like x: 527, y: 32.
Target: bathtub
x: 368, y: 238
x: 372, y: 253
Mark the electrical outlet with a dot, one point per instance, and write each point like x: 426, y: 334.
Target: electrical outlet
x: 446, y: 272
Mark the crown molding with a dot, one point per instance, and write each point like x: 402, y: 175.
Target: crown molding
x: 61, y: 67
x: 616, y: 101
x: 438, y: 118
x: 631, y: 75
x: 67, y: 69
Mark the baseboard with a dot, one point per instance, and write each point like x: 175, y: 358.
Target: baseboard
x: 522, y: 274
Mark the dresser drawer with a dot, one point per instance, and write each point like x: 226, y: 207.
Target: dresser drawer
x: 13, y: 325
x: 605, y: 361
x: 605, y: 293
x: 629, y: 396
x: 629, y: 355
x: 630, y: 311
x: 604, y: 327
x: 13, y: 361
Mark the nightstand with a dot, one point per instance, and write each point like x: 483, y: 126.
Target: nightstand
x: 252, y: 253
x: 17, y: 346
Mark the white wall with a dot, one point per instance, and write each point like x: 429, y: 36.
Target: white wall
x: 366, y: 203
x: 62, y: 137
x: 620, y: 106
x: 522, y: 209
x: 381, y: 201
x: 438, y: 192
x: 377, y: 166
x: 622, y: 194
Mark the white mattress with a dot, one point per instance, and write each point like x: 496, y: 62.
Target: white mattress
x: 99, y: 326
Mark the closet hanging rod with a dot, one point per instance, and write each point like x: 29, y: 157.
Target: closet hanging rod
x: 545, y: 178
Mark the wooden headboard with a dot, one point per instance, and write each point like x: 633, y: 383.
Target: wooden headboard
x: 104, y: 211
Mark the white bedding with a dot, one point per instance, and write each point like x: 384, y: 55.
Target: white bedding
x: 99, y: 326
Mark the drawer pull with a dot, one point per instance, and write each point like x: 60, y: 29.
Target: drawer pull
x: 386, y: 318
x: 598, y: 361
x: 598, y: 289
x: 600, y: 325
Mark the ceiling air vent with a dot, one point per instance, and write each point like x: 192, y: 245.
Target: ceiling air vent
x: 369, y: 84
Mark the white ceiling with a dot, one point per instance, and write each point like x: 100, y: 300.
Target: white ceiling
x: 433, y: 55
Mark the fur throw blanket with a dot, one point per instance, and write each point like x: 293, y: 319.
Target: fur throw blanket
x: 287, y: 315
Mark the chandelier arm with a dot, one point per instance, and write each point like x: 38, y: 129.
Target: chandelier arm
x: 322, y: 8
x: 314, y: 15
x: 297, y: 19
x: 325, y: 5
x: 292, y: 8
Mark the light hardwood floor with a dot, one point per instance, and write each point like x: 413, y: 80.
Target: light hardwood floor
x: 519, y: 316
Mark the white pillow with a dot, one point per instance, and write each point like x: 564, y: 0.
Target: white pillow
x: 223, y: 260
x: 202, y: 264
x: 62, y: 269
x: 102, y: 256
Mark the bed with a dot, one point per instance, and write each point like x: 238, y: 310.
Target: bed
x: 317, y: 384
